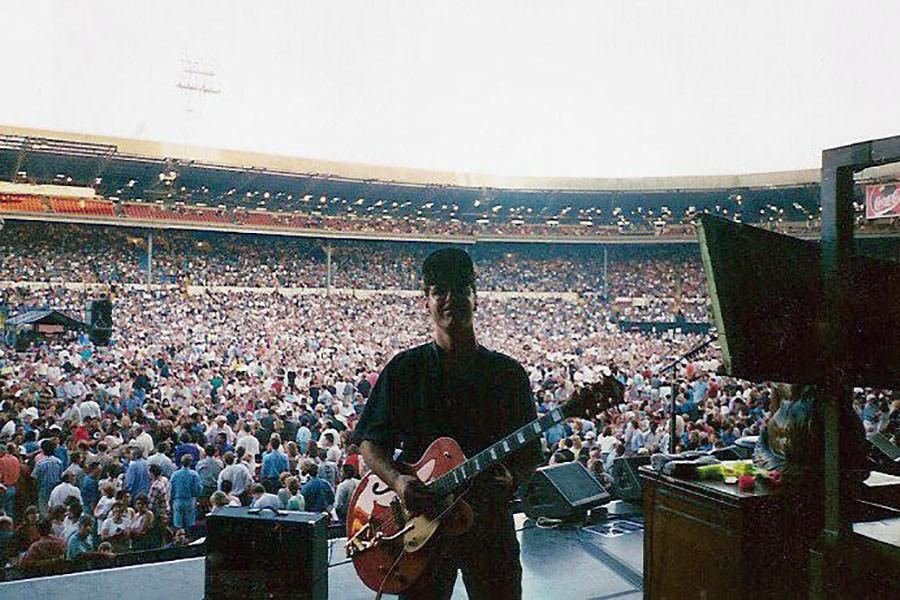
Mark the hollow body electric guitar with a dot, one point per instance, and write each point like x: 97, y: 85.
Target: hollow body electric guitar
x: 390, y: 546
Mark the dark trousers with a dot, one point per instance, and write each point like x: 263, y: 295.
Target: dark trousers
x: 487, y: 555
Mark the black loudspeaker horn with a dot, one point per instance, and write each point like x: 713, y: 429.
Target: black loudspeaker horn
x: 768, y: 304
x: 563, y: 491
x: 266, y: 554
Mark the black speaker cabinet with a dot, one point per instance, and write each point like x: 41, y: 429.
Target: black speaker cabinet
x: 769, y: 307
x: 266, y: 555
x: 562, y: 491
x: 100, y: 321
x: 627, y: 484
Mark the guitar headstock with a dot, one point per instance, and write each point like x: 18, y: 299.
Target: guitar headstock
x: 594, y: 398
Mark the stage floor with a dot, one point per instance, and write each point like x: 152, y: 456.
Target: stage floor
x: 597, y: 562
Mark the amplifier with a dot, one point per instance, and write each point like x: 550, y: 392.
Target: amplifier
x: 562, y: 491
x: 266, y: 554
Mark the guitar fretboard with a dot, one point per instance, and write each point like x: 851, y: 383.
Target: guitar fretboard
x: 454, y: 479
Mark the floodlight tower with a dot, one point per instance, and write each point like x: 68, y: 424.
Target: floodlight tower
x: 198, y: 82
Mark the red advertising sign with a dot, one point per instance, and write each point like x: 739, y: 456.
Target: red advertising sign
x: 883, y: 201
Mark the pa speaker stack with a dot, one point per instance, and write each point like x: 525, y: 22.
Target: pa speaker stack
x: 100, y: 320
x: 266, y: 554
x: 563, y: 491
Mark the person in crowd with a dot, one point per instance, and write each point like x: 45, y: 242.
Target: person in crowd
x: 137, y: 476
x: 57, y: 517
x: 238, y: 476
x: 7, y: 539
x: 160, y: 491
x: 161, y: 459
x: 141, y: 528
x: 116, y: 528
x: 187, y: 446
x: 64, y: 490
x: 208, y: 469
x: 106, y: 502
x: 226, y: 489
x: 75, y: 468
x: 90, y: 487
x: 28, y: 531
x: 345, y: 489
x: 47, y: 550
x: 47, y: 471
x: 264, y: 499
x: 318, y: 495
x: 73, y: 513
x: 327, y: 468
x: 10, y: 471
x: 186, y: 488
x: 81, y: 542
x: 294, y: 499
x: 217, y: 501
x: 275, y: 462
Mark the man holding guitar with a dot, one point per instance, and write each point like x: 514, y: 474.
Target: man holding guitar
x: 453, y: 388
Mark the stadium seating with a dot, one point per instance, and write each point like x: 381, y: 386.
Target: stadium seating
x: 161, y: 213
x: 20, y: 203
x: 260, y: 219
x: 78, y: 206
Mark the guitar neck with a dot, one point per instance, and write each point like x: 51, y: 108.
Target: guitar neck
x: 458, y: 477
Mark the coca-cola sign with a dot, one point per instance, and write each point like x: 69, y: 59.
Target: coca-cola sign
x: 883, y: 201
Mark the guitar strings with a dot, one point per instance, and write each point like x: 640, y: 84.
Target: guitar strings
x: 401, y: 553
x: 391, y: 521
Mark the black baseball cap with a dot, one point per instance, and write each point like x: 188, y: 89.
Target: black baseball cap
x: 451, y: 267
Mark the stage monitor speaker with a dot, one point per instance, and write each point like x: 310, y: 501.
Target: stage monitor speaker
x: 562, y: 491
x: 769, y: 309
x: 261, y: 554
x: 626, y: 481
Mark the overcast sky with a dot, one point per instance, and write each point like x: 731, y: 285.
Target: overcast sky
x: 598, y: 88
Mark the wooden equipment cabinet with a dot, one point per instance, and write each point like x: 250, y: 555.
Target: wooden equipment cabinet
x: 708, y: 540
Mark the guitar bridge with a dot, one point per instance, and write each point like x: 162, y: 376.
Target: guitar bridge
x: 364, y: 539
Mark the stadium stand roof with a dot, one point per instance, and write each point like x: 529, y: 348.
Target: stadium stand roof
x: 196, y: 178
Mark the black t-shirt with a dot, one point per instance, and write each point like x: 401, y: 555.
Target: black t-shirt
x: 417, y: 399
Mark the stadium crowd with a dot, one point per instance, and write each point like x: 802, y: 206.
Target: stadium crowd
x: 227, y: 398
x: 658, y: 278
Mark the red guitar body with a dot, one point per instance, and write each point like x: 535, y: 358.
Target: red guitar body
x: 375, y: 515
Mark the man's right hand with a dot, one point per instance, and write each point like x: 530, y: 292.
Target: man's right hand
x: 416, y: 497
